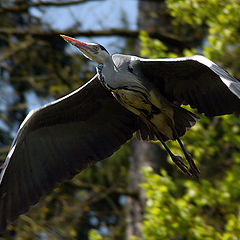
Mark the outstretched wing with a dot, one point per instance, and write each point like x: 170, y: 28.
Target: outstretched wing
x: 195, y: 80
x: 59, y: 140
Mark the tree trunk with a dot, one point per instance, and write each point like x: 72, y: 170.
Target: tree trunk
x: 143, y: 154
x: 152, y: 17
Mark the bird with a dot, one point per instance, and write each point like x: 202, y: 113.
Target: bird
x: 127, y: 95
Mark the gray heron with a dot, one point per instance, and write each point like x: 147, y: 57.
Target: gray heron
x: 128, y: 94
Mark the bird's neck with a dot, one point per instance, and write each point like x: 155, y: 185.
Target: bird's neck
x: 108, y: 67
x: 106, y: 72
x: 108, y: 62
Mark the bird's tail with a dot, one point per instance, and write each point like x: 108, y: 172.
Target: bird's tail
x: 182, y: 121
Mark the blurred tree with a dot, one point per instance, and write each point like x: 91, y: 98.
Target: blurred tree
x: 143, y: 153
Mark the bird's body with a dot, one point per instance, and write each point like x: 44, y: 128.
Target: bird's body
x: 124, y: 85
x: 121, y: 76
x: 136, y: 94
x: 59, y: 140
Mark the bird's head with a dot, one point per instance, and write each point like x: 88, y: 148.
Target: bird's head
x: 92, y: 51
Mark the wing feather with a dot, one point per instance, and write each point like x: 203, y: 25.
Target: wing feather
x: 196, y: 81
x: 59, y: 140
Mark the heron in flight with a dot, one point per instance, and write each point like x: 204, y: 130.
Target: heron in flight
x: 127, y: 94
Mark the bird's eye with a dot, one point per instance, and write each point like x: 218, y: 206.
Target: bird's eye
x: 96, y: 48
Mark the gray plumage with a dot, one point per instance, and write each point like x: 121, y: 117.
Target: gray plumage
x: 60, y: 139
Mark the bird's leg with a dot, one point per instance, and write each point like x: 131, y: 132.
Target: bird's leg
x: 176, y: 159
x: 189, y: 159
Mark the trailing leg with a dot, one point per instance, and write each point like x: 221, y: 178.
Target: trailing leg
x: 175, y: 158
x: 188, y: 157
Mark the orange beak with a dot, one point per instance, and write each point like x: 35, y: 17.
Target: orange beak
x: 81, y: 45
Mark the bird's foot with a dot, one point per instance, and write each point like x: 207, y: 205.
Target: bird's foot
x: 195, y: 171
x: 179, y: 162
x: 192, y: 164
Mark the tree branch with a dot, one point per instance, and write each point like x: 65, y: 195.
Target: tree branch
x: 113, y: 189
x: 24, y: 7
x: 163, y: 36
x: 14, y: 50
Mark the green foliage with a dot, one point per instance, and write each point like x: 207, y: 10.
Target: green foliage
x: 153, y: 48
x: 214, y: 143
x: 216, y: 22
x: 93, y: 235
x: 203, y: 210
